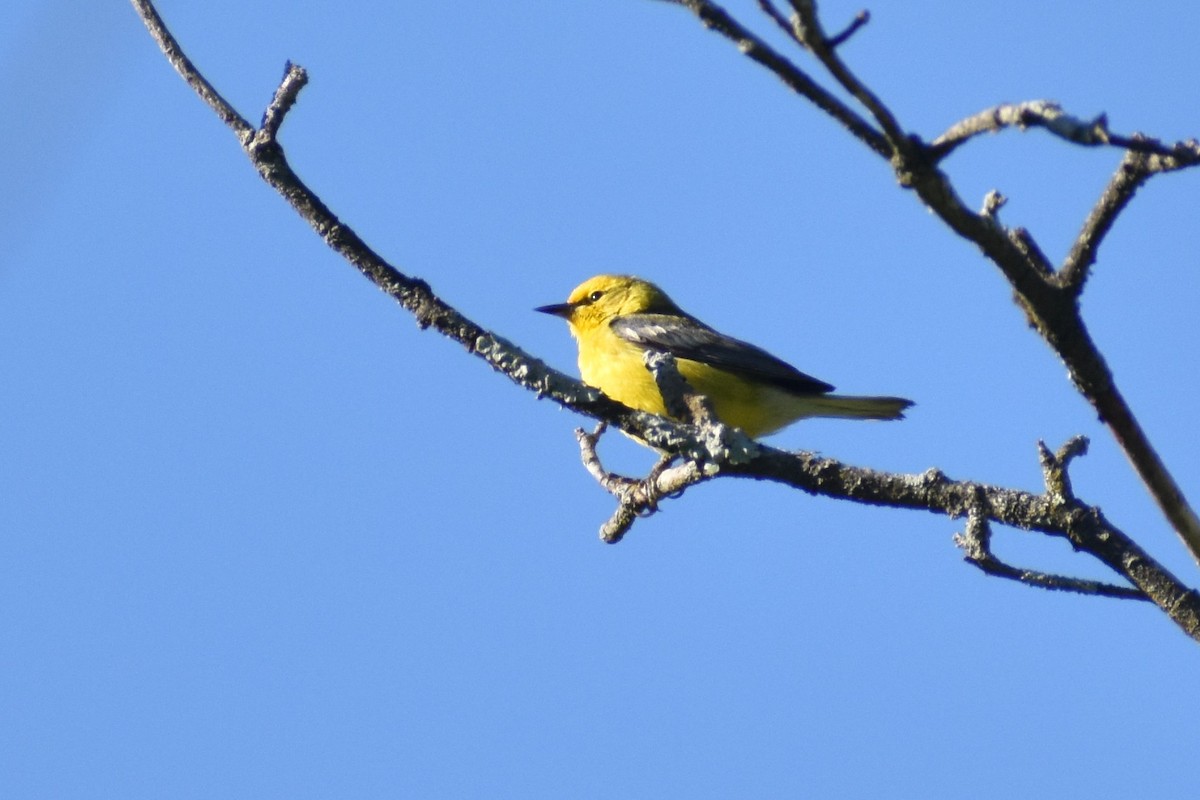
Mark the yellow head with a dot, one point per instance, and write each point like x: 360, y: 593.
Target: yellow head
x: 598, y: 300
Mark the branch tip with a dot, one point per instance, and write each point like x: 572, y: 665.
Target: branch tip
x: 295, y: 78
x: 768, y: 8
x: 717, y: 19
x: 1074, y: 447
x: 860, y: 19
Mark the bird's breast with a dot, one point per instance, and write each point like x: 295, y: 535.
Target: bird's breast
x: 616, y: 367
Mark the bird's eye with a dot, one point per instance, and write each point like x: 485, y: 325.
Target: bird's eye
x: 594, y: 296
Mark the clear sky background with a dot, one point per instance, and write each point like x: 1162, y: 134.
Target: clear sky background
x: 262, y: 537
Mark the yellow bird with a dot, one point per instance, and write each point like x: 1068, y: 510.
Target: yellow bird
x: 617, y: 318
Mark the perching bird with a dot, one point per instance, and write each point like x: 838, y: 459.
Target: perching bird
x: 616, y: 318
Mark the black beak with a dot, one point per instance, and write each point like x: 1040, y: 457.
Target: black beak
x: 558, y: 309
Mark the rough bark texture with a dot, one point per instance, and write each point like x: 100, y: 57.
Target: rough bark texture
x: 707, y: 449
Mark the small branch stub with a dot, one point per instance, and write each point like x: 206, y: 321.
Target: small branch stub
x: 729, y: 451
x: 1055, y: 466
x: 295, y: 78
x: 993, y: 201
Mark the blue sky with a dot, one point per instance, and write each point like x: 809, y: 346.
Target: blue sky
x: 262, y: 537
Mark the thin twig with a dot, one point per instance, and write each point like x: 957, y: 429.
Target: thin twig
x: 1085, y: 527
x: 414, y: 294
x: 674, y: 389
x: 717, y: 19
x: 1056, y: 316
x: 976, y: 543
x: 1049, y: 116
x: 635, y: 498
x: 183, y: 65
x: 1131, y: 174
x: 1050, y: 308
x: 1135, y: 169
x: 860, y: 19
x: 809, y: 31
x: 295, y: 78
x: 773, y: 13
x: 721, y: 450
x: 1055, y: 467
x: 626, y: 513
x: 1034, y: 113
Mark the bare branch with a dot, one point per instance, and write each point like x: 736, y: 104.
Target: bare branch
x: 809, y: 31
x: 619, y: 486
x: 1163, y: 157
x: 1033, y: 113
x: 715, y: 18
x: 611, y: 482
x: 709, y: 450
x: 1090, y: 374
x: 860, y: 19
x: 413, y: 293
x: 1054, y: 467
x: 673, y: 387
x: 1180, y: 155
x: 1049, y: 116
x: 1144, y: 158
x: 1132, y: 173
x: 635, y: 498
x: 993, y: 201
x: 1056, y: 513
x: 1052, y: 311
x: 975, y: 541
x: 295, y: 78
x: 1085, y: 527
x: 1048, y: 300
x: 1024, y: 242
x: 775, y: 16
x: 183, y: 65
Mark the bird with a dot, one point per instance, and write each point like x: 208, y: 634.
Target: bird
x: 616, y: 319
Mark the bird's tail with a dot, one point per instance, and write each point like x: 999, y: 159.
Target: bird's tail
x: 847, y: 407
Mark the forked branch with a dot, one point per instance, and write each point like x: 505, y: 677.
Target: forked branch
x: 706, y: 448
x: 1049, y: 298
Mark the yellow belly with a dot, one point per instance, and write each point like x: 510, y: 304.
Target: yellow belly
x: 616, y: 367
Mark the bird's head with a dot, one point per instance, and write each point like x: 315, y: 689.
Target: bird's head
x: 597, y: 301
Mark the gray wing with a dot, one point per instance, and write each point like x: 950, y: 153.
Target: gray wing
x: 685, y: 337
